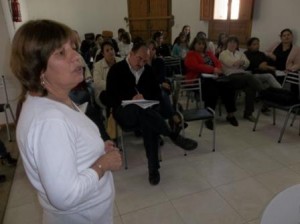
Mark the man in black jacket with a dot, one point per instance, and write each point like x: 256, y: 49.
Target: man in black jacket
x: 132, y: 79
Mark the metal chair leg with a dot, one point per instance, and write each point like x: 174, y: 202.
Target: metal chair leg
x: 201, y: 128
x: 274, y: 116
x: 214, y: 135
x: 257, y: 117
x: 7, y: 124
x: 294, y: 117
x: 284, y: 125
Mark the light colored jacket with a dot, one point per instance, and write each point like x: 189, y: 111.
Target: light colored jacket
x: 228, y: 59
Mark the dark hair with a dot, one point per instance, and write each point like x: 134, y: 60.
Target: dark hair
x: 107, y: 42
x: 233, y: 39
x: 220, y: 44
x: 121, y: 30
x: 188, y: 37
x: 251, y: 40
x: 157, y: 35
x: 138, y: 42
x: 201, y: 34
x: 286, y: 30
x: 198, y: 41
x: 126, y: 37
x: 178, y: 41
x: 97, y: 36
x: 153, y: 42
x: 32, y: 45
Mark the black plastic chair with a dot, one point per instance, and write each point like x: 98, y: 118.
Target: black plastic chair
x: 290, y: 107
x: 183, y: 89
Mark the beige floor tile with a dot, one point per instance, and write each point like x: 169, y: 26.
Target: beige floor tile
x: 117, y: 220
x: 179, y: 179
x: 163, y: 213
x: 248, y: 197
x: 206, y: 207
x: 278, y: 180
x: 257, y: 221
x: 137, y: 193
x: 253, y: 161
x: 28, y: 213
x: 218, y: 170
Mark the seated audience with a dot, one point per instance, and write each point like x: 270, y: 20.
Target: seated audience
x: 234, y: 64
x: 285, y: 55
x: 162, y: 50
x: 101, y: 69
x: 97, y: 46
x: 199, y: 60
x: 180, y: 47
x: 259, y: 65
x: 125, y: 45
x: 120, y: 33
x: 108, y: 36
x: 221, y: 46
x: 132, y: 79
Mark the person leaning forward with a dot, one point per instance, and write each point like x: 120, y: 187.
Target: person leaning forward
x: 132, y: 79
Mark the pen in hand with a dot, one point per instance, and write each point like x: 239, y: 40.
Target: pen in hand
x: 137, y: 91
x: 138, y: 96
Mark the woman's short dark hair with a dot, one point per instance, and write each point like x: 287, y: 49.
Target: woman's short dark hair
x: 157, y: 35
x: 32, y: 46
x: 198, y: 41
x: 286, y: 30
x: 105, y: 43
x: 233, y: 39
x: 126, y: 38
x: 251, y: 40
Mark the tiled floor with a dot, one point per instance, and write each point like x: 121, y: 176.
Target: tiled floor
x: 229, y: 186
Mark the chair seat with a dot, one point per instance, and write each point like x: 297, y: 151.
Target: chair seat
x: 197, y: 114
x: 279, y: 106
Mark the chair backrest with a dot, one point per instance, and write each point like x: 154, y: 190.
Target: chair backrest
x: 292, y: 78
x: 190, y: 89
x: 173, y: 66
x: 284, y: 207
x: 3, y: 90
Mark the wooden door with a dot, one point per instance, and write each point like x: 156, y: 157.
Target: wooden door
x: 148, y: 16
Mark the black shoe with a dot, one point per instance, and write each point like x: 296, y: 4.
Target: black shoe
x: 185, y: 143
x: 2, y: 178
x: 209, y: 124
x: 249, y: 118
x: 8, y: 161
x: 154, y: 177
x: 233, y: 121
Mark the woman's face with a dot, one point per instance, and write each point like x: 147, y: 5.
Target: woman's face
x: 152, y: 51
x: 287, y: 37
x: 254, y: 46
x: 64, y: 68
x: 232, y: 46
x: 200, y: 47
x: 109, y: 53
x: 187, y: 30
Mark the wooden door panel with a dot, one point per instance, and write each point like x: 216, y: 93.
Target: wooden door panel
x: 149, y: 16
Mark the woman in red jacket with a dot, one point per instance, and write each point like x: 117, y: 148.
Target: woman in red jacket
x: 199, y: 61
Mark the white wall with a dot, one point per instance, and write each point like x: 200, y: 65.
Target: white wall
x: 187, y: 13
x: 272, y: 16
x: 83, y: 16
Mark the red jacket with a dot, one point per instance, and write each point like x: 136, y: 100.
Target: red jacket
x: 194, y: 64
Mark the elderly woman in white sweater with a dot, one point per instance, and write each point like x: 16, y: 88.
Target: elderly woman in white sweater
x: 234, y: 64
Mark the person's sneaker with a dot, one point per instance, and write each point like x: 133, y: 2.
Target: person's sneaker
x: 185, y: 143
x: 154, y: 177
x: 249, y: 118
x: 209, y: 124
x: 233, y: 121
x: 2, y: 178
